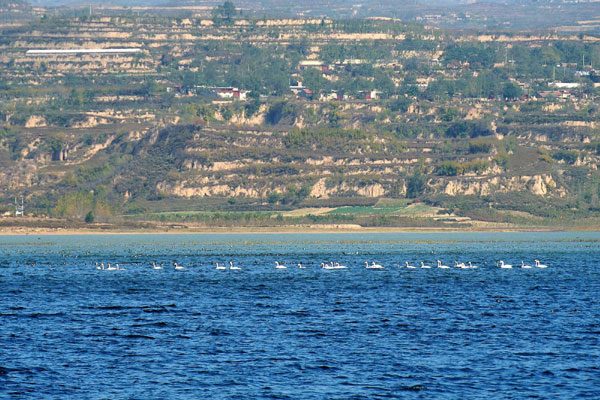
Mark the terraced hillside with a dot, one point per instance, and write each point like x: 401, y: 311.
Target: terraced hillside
x: 255, y: 118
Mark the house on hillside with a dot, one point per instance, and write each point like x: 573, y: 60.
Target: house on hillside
x: 333, y: 95
x: 565, y: 85
x: 232, y: 93
x: 297, y: 88
x: 226, y: 93
x: 368, y: 94
x: 456, y: 65
x: 351, y: 61
x: 557, y: 94
x: 317, y: 64
x: 305, y: 94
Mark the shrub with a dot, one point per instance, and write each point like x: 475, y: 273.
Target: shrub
x: 480, y: 147
x: 273, y: 197
x: 281, y: 111
x: 89, y: 217
x: 251, y: 108
x: 447, y: 168
x: 227, y: 113
x: 470, y: 129
x: 452, y: 168
x: 568, y: 156
x: 594, y: 146
x: 400, y: 104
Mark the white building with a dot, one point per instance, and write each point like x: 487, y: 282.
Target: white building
x: 52, y: 52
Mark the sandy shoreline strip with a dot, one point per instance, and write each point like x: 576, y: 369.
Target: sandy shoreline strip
x: 22, y: 231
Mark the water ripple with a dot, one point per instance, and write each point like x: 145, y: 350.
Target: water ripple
x: 68, y: 330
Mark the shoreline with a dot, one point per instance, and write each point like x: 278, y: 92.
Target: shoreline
x: 32, y: 231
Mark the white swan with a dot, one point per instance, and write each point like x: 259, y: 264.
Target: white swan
x: 472, y: 266
x: 440, y: 265
x: 409, y: 266
x: 459, y: 265
x: 301, y: 266
x: 231, y: 266
x: 101, y: 266
x: 221, y: 266
x: 505, y: 266
x: 538, y: 265
x: 423, y: 265
x: 373, y: 265
x: 279, y: 266
x: 178, y: 267
x: 156, y: 266
x: 333, y: 266
x: 523, y: 265
x: 111, y: 268
x: 119, y: 268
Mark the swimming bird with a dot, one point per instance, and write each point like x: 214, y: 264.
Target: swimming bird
x: 505, y: 266
x: 459, y: 265
x: 119, y: 268
x: 221, y: 266
x: 373, y: 265
x: 538, y: 265
x: 156, y: 266
x: 301, y: 266
x: 333, y: 266
x: 100, y: 267
x: 523, y: 265
x: 425, y: 266
x: 409, y: 266
x: 111, y: 268
x: 472, y: 266
x: 279, y: 266
x: 178, y: 267
x: 231, y: 266
x: 440, y: 265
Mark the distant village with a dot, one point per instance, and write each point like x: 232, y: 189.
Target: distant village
x: 557, y: 89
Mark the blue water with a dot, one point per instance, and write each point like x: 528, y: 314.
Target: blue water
x: 68, y: 330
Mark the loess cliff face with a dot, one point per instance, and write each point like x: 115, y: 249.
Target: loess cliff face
x: 220, y: 159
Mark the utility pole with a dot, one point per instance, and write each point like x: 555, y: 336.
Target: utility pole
x: 19, y: 210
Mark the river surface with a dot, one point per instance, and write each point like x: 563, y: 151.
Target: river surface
x: 70, y: 330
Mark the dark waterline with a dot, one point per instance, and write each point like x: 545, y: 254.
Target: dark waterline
x: 70, y: 330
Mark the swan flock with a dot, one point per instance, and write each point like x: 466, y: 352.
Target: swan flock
x: 336, y: 266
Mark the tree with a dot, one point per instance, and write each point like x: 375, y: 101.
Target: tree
x: 228, y: 10
x: 224, y: 13
x: 549, y: 55
x: 511, y: 91
x: 313, y: 79
x: 416, y: 184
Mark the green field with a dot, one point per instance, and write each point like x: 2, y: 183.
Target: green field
x: 399, y: 208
